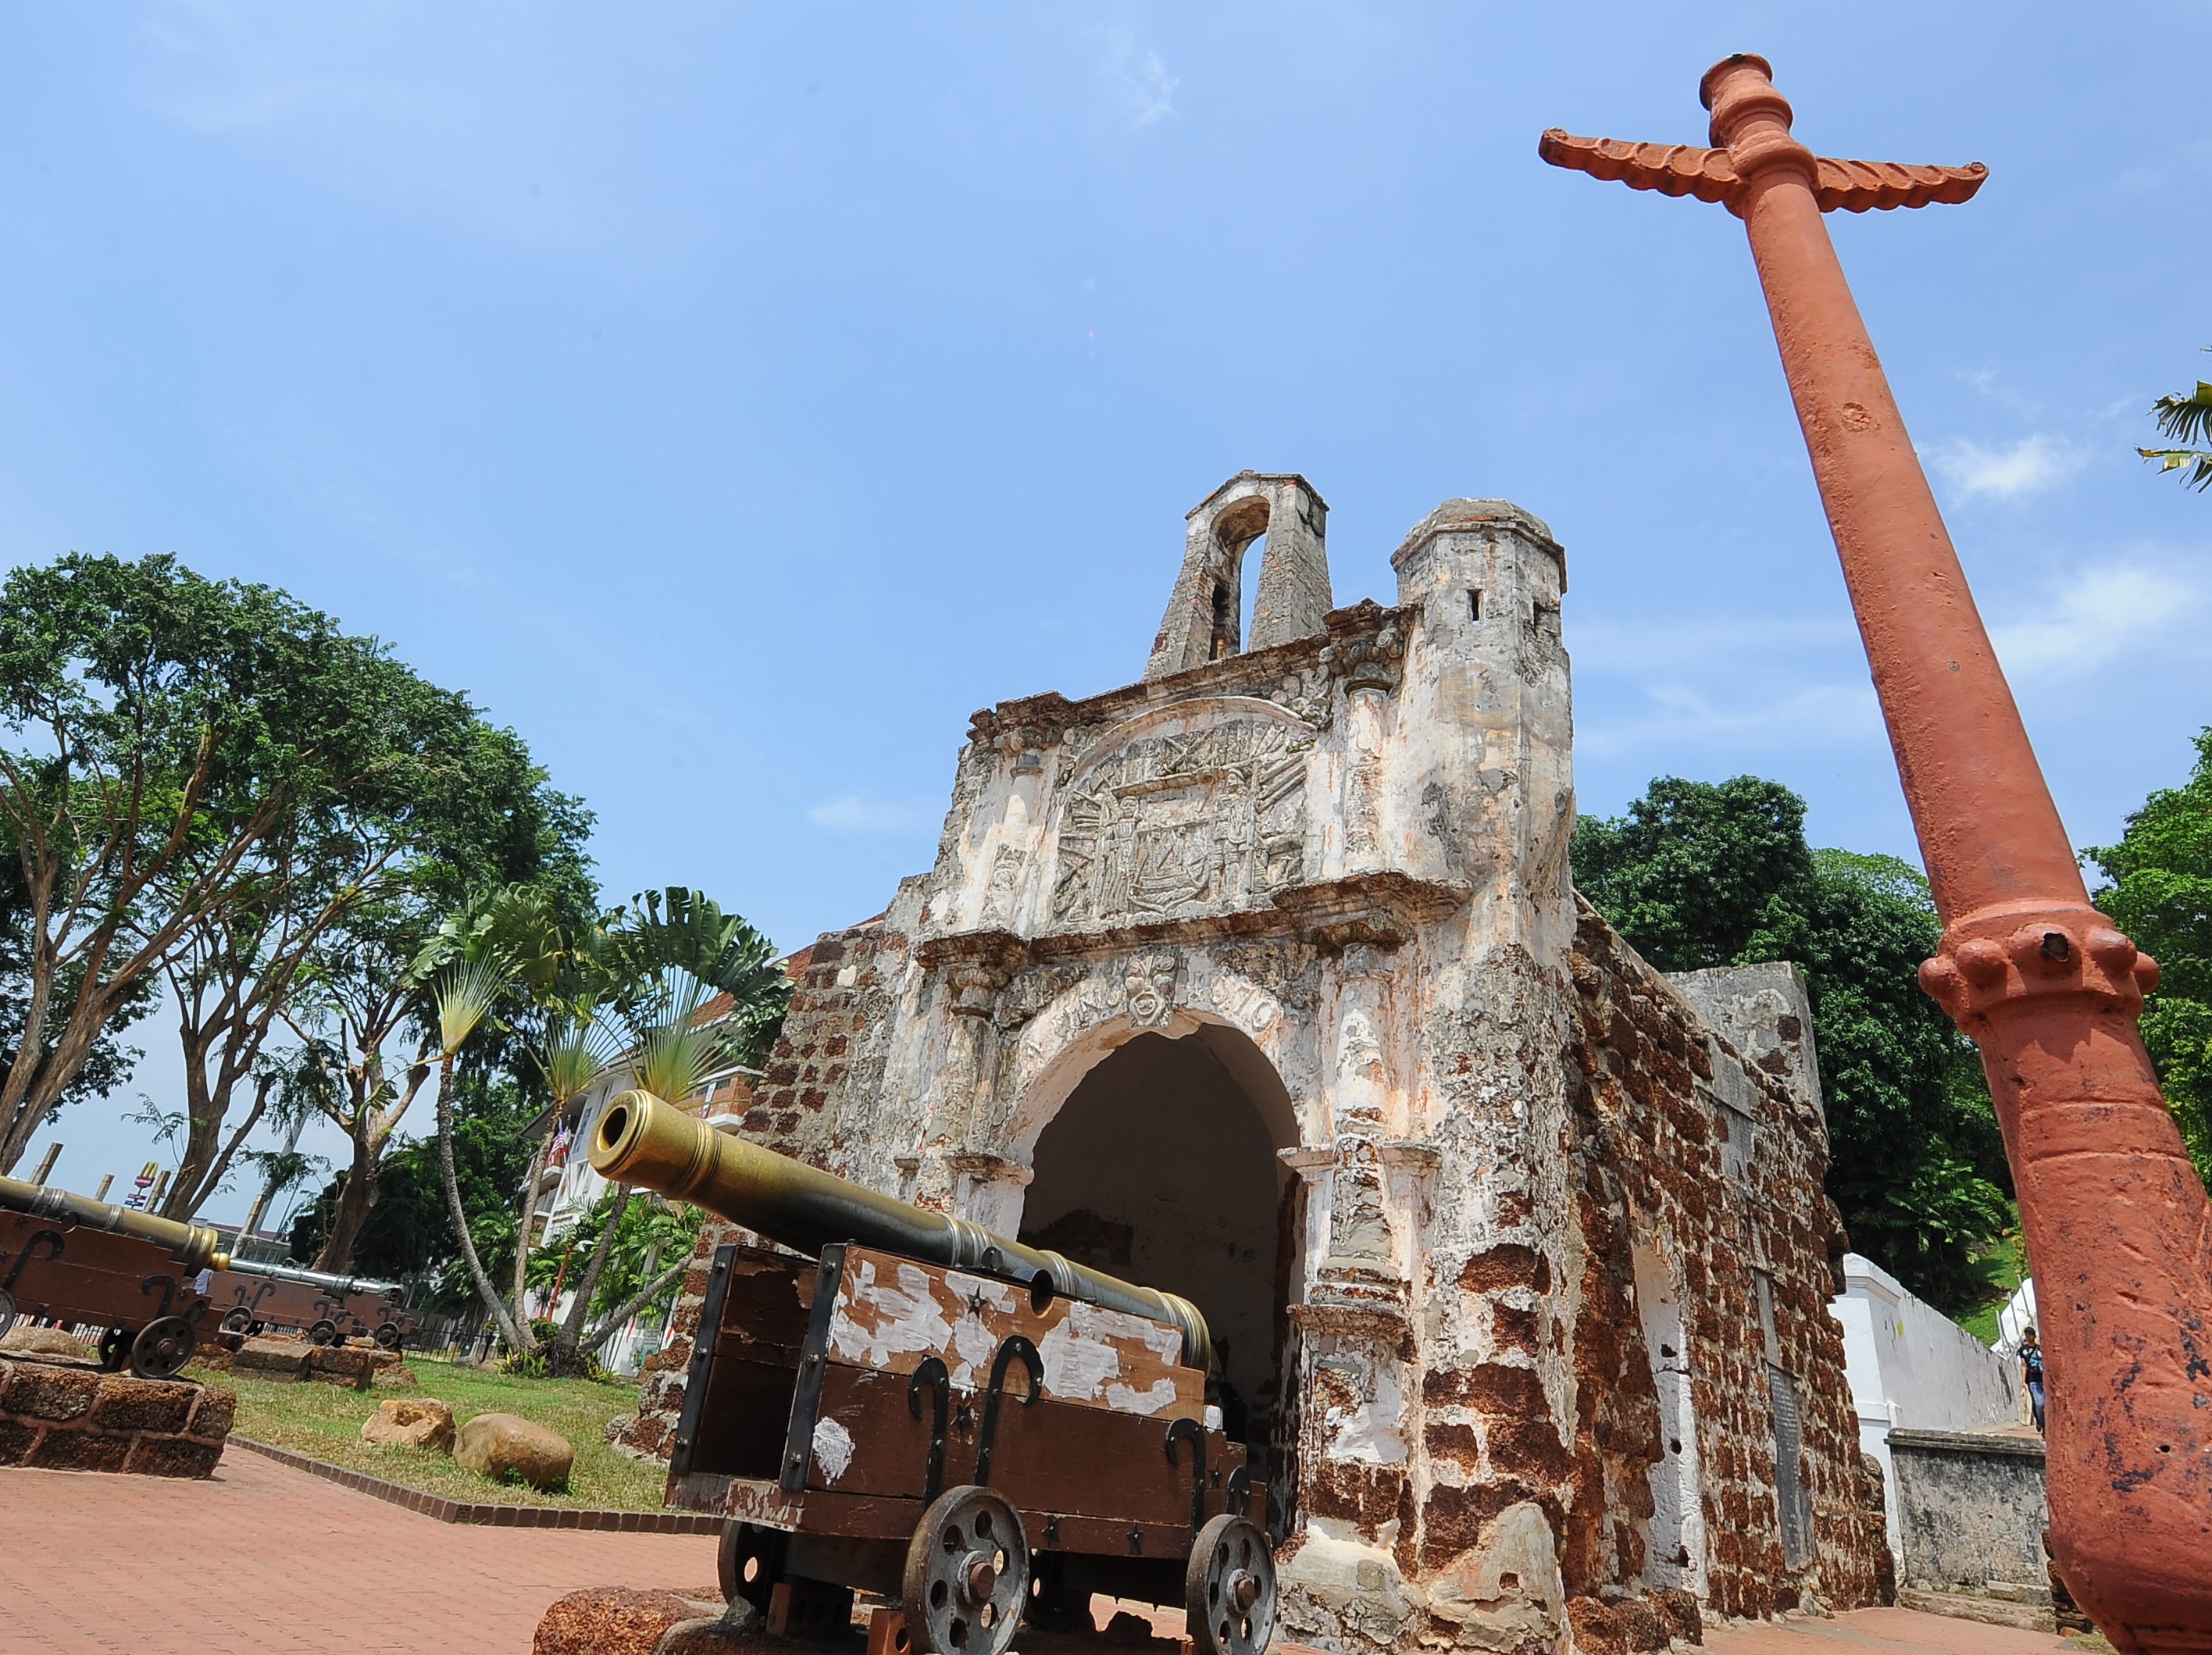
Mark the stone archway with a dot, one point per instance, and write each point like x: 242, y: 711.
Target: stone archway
x: 1161, y: 1165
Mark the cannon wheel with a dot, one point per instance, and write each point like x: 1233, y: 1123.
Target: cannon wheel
x: 324, y: 1332
x: 163, y: 1346
x: 7, y: 1310
x: 750, y: 1562
x: 1230, y: 1588
x: 387, y: 1335
x: 240, y: 1320
x: 967, y: 1574
x: 114, y: 1345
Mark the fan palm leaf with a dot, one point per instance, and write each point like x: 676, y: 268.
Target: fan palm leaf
x: 2186, y: 419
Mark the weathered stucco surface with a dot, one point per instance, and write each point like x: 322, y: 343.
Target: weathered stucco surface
x: 1553, y: 1363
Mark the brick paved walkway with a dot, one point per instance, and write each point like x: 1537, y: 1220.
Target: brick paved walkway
x: 1883, y: 1632
x: 262, y: 1560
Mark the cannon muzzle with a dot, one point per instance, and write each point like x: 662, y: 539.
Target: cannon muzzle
x: 640, y: 1140
x: 344, y: 1285
x: 192, y: 1246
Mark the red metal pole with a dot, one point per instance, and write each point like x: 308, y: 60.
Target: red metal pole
x: 2119, y: 1234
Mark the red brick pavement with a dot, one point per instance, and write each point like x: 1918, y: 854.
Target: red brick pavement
x: 1883, y: 1631
x: 262, y: 1558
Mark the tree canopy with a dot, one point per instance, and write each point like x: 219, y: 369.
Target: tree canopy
x: 205, y: 778
x: 2161, y: 895
x: 1699, y: 874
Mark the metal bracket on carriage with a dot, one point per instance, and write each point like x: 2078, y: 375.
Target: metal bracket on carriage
x: 931, y: 1372
x: 1178, y: 1430
x: 24, y: 1257
x: 1237, y: 1499
x: 1012, y: 1346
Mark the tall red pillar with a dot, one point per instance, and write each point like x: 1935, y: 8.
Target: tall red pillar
x: 2118, y: 1229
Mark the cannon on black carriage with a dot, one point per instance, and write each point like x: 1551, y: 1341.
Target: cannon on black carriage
x: 982, y: 1432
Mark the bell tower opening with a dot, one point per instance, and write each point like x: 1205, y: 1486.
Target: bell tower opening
x: 1161, y: 1167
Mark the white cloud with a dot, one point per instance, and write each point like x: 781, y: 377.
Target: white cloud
x: 1140, y: 82
x: 851, y: 813
x: 2028, y: 467
x: 2096, y: 615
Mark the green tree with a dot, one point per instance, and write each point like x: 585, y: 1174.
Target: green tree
x: 109, y: 1062
x: 158, y: 731
x: 1699, y: 874
x: 2160, y: 894
x: 363, y: 995
x: 408, y: 1233
x: 2186, y: 418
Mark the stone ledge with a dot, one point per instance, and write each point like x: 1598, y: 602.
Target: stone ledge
x: 1968, y: 1442
x: 491, y: 1514
x: 1992, y: 1611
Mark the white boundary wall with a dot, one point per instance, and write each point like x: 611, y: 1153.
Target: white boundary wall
x: 1910, y: 1366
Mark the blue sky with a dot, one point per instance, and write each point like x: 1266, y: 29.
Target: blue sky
x: 732, y: 397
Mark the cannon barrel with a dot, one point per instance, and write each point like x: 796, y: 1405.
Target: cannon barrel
x: 640, y: 1140
x: 338, y: 1284
x: 192, y: 1246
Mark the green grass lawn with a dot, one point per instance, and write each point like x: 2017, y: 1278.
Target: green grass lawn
x: 323, y: 1421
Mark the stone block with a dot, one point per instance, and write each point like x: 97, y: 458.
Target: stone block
x: 342, y: 1365
x: 425, y: 1422
x: 494, y: 1444
x: 80, y: 1451
x: 272, y: 1358
x: 173, y: 1456
x: 212, y: 1419
x: 127, y: 1405
x: 38, y: 1391
x: 616, y: 1620
x: 16, y: 1441
x: 27, y: 1340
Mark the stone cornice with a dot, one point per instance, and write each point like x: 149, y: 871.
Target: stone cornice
x: 1354, y: 641
x: 1383, y: 909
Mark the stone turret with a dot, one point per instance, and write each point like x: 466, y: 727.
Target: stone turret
x: 1205, y: 612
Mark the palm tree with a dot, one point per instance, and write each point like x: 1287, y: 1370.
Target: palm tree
x: 2186, y: 419
x: 656, y: 968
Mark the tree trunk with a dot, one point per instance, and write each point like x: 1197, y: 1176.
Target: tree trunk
x: 355, y: 1200
x: 508, y: 1331
x: 562, y: 1360
x: 529, y: 1217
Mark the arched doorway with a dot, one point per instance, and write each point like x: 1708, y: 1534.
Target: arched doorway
x: 1161, y: 1167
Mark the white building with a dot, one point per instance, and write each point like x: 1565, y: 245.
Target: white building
x: 1911, y: 1366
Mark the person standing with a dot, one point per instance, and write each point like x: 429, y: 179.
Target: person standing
x: 2030, y: 1363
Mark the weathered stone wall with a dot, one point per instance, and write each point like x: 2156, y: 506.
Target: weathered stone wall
x: 61, y: 1416
x: 1971, y: 1506
x: 1712, y: 1169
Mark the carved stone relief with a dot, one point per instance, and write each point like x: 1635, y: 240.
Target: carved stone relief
x: 1208, y: 820
x: 1006, y: 884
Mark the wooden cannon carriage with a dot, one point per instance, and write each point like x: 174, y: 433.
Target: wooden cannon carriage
x: 160, y: 1288
x: 978, y: 1431
x: 328, y: 1309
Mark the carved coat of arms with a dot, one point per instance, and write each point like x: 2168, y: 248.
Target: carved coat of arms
x: 1209, y: 820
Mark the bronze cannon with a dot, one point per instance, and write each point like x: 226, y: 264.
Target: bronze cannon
x: 982, y: 1431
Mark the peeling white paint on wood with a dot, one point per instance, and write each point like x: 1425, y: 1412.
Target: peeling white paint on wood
x: 833, y: 1448
x: 891, y: 1313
